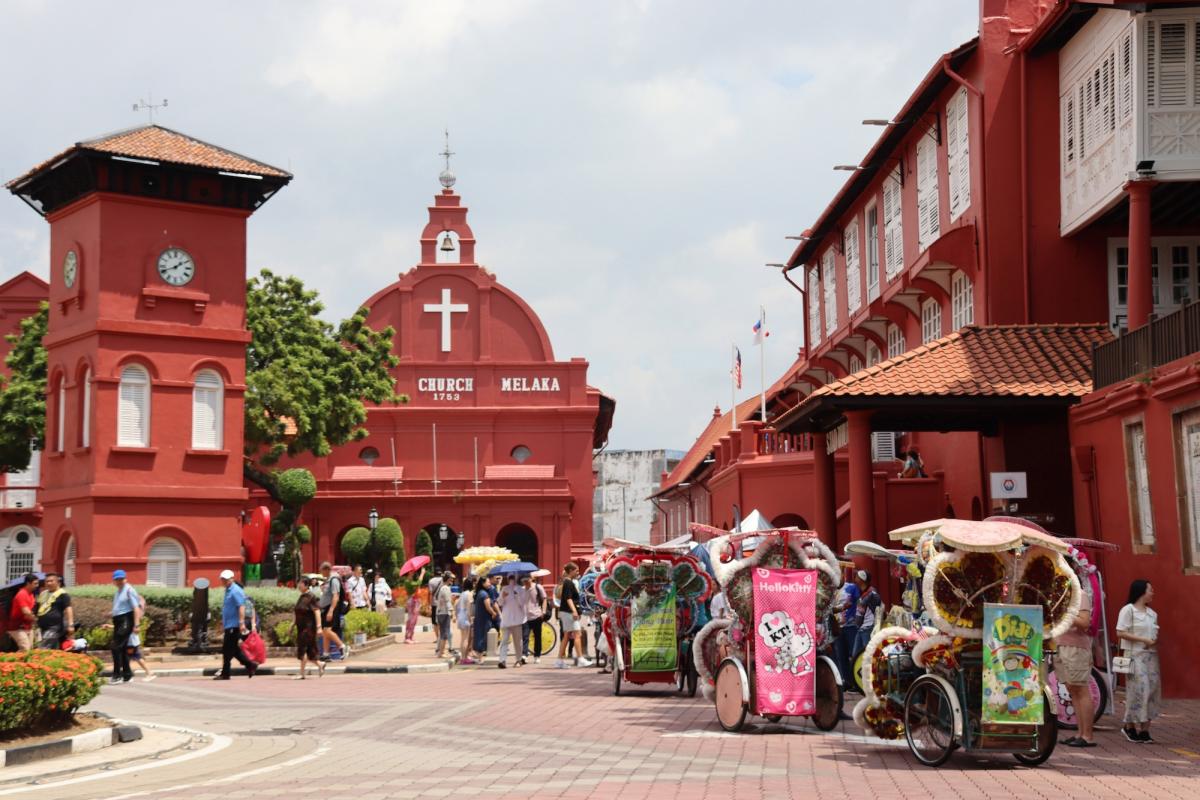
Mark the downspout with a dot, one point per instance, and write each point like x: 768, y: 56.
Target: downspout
x: 982, y: 216
x: 804, y: 302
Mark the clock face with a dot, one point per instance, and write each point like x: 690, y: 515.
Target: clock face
x: 70, y: 268
x: 176, y: 267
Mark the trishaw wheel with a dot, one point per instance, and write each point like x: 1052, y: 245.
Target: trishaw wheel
x: 731, y: 709
x: 693, y: 677
x: 929, y: 721
x: 829, y: 697
x: 857, y: 677
x: 773, y: 718
x: 616, y: 680
x: 1046, y: 741
x: 1102, y: 684
x: 617, y: 668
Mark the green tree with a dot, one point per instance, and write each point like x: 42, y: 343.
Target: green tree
x: 293, y: 488
x: 23, y: 394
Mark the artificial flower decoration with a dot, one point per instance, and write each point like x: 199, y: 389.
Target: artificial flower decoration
x: 956, y: 587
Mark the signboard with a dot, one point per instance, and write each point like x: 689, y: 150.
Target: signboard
x: 785, y: 623
x: 653, y: 643
x: 1012, y: 657
x: 1009, y: 486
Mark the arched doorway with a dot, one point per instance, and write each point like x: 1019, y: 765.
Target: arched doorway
x: 445, y: 546
x: 521, y: 540
x: 790, y: 520
x: 20, y: 552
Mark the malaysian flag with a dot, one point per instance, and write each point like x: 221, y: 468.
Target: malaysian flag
x: 736, y: 372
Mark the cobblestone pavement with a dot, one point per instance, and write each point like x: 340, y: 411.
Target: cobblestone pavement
x: 539, y: 732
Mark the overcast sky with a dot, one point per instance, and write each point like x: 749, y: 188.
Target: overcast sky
x: 630, y: 166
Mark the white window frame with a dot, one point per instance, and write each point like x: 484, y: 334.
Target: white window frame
x: 928, y: 202
x: 1137, y: 478
x: 208, y: 399
x: 814, y: 306
x: 1163, y: 266
x: 85, y: 415
x: 895, y: 340
x: 60, y: 416
x: 871, y: 227
x: 1187, y: 455
x: 874, y: 355
x: 829, y: 283
x: 958, y: 153
x: 931, y: 320
x: 893, y: 224
x: 850, y: 249
x: 70, y: 557
x: 962, y: 300
x: 129, y: 434
x: 165, y: 568
x: 855, y: 364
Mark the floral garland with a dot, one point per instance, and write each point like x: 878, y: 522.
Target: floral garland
x: 738, y: 580
x: 1060, y: 602
x: 950, y: 573
x: 876, y: 713
x: 705, y: 655
x: 939, y: 651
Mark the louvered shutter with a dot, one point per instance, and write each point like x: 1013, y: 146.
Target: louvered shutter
x: 814, y: 306
x: 60, y: 422
x: 853, y: 273
x: 927, y: 192
x: 206, y: 411
x: 883, y: 446
x: 1191, y: 453
x: 958, y: 153
x: 85, y: 420
x: 893, y: 229
x: 1141, y: 487
x: 69, y: 562
x: 165, y: 564
x: 829, y: 277
x: 133, y: 408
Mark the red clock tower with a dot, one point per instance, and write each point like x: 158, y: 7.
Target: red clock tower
x: 146, y: 353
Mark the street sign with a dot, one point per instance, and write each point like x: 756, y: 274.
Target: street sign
x: 1009, y: 486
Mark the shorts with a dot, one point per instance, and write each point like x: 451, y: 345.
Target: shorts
x: 443, y: 623
x: 335, y: 620
x: 23, y: 637
x: 1073, y: 665
x: 569, y: 623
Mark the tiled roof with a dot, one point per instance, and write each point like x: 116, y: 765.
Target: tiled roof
x: 360, y: 473
x: 156, y: 143
x: 991, y: 361
x: 718, y: 426
x: 518, y: 471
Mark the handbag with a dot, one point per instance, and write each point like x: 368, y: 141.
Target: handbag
x: 1122, y: 665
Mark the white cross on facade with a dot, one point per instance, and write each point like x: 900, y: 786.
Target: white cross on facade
x: 446, y: 308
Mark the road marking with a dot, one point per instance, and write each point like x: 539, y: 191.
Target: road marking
x: 703, y: 733
x: 1183, y: 752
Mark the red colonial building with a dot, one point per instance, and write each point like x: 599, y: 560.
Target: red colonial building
x: 1005, y: 283
x: 146, y: 352
x: 495, y: 444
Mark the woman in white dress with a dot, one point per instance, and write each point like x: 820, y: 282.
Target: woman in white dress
x: 1137, y: 629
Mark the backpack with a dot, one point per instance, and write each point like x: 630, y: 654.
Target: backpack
x: 342, y: 597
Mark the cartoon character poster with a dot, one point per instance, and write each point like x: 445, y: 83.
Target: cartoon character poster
x: 653, y: 643
x: 1012, y: 658
x: 785, y: 624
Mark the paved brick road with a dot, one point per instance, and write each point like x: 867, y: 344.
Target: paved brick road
x: 547, y: 733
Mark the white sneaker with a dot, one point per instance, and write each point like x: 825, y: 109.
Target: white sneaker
x: 583, y: 662
x: 560, y: 664
x: 537, y: 660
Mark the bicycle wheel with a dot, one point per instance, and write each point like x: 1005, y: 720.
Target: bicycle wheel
x: 731, y: 709
x: 549, y: 638
x: 1101, y: 681
x: 829, y: 697
x: 1047, y: 739
x: 929, y: 721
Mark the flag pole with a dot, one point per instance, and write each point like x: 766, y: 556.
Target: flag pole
x: 762, y: 365
x: 733, y: 387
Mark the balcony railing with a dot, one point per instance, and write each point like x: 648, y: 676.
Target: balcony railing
x: 771, y: 442
x: 1159, y: 342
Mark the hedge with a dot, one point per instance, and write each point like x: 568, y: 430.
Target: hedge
x: 267, y: 600
x: 45, y: 686
x: 374, y: 623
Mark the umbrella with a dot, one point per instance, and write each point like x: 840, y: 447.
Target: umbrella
x: 513, y: 567
x: 478, y: 555
x: 414, y: 564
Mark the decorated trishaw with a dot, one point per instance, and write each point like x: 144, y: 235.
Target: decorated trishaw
x: 653, y: 599
x: 994, y: 592
x: 763, y: 658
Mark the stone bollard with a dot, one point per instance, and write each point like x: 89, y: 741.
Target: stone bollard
x: 199, y: 639
x: 493, y: 641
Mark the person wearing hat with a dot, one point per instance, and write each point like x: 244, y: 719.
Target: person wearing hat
x: 233, y: 620
x: 866, y: 611
x: 126, y: 615
x: 843, y: 646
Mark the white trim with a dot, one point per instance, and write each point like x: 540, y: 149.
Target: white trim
x: 895, y: 340
x: 931, y: 320
x: 958, y: 153
x: 962, y: 300
x: 871, y: 227
x: 893, y: 224
x: 850, y: 248
x: 928, y: 201
x: 70, y: 559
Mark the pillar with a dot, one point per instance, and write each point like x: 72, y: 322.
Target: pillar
x: 824, y: 498
x: 1140, y: 297
x: 862, y: 501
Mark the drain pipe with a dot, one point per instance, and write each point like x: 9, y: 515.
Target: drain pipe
x: 804, y: 301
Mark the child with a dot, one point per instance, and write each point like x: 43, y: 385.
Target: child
x: 135, y: 654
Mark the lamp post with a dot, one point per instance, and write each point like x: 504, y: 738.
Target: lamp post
x: 372, y: 546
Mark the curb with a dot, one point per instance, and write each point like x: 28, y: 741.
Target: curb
x: 340, y: 669
x: 80, y: 743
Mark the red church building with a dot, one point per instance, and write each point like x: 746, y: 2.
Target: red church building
x: 1005, y: 282
x: 142, y: 467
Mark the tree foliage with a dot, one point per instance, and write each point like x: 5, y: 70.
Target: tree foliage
x: 23, y: 394
x: 384, y: 549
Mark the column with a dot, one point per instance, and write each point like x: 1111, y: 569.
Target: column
x: 862, y: 501
x: 824, y: 499
x: 1141, y: 299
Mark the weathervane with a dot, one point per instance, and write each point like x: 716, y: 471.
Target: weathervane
x: 142, y: 105
x: 447, y: 178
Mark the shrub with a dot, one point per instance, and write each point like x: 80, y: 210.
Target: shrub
x: 278, y: 629
x: 355, y: 544
x: 44, y: 686
x: 371, y: 622
x: 296, y: 486
x: 178, y: 602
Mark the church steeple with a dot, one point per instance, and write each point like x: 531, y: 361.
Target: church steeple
x: 447, y: 239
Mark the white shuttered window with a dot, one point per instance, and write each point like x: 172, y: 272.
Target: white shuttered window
x: 71, y: 554
x: 928, y: 210
x: 60, y: 411
x: 166, y: 564
x: 895, y: 341
x: 893, y: 230
x: 814, y: 307
x: 931, y: 320
x: 207, y: 399
x: 133, y: 407
x: 958, y: 160
x: 829, y: 279
x: 85, y: 414
x: 853, y: 272
x: 872, y: 219
x: 1141, y: 510
x: 962, y: 300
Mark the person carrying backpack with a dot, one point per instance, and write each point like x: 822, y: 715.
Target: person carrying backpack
x: 335, y: 601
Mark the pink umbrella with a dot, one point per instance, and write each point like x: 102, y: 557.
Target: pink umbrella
x: 414, y: 564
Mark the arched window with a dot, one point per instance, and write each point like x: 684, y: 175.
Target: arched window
x: 69, y: 556
x: 133, y: 407
x: 167, y: 564
x: 521, y: 454
x: 895, y: 341
x: 962, y: 300
x: 369, y: 455
x: 207, y: 401
x: 931, y: 320
x: 85, y: 408
x: 60, y: 416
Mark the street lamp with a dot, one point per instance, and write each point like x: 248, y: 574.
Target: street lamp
x: 373, y: 518
x: 372, y: 547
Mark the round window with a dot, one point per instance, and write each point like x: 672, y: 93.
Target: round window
x: 22, y: 537
x: 369, y: 455
x: 521, y: 454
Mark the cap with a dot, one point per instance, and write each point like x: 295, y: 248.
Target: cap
x: 862, y: 575
x: 118, y: 573
x: 226, y: 574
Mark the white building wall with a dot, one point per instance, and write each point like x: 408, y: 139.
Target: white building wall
x: 624, y: 481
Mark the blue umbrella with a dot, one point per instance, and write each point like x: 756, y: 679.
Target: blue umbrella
x: 512, y: 568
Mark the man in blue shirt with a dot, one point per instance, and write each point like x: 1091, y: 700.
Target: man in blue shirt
x: 843, y: 646
x: 233, y: 620
x: 126, y: 614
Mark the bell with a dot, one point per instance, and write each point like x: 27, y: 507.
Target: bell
x: 447, y: 244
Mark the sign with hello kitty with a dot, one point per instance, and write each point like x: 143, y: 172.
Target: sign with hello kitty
x: 785, y: 651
